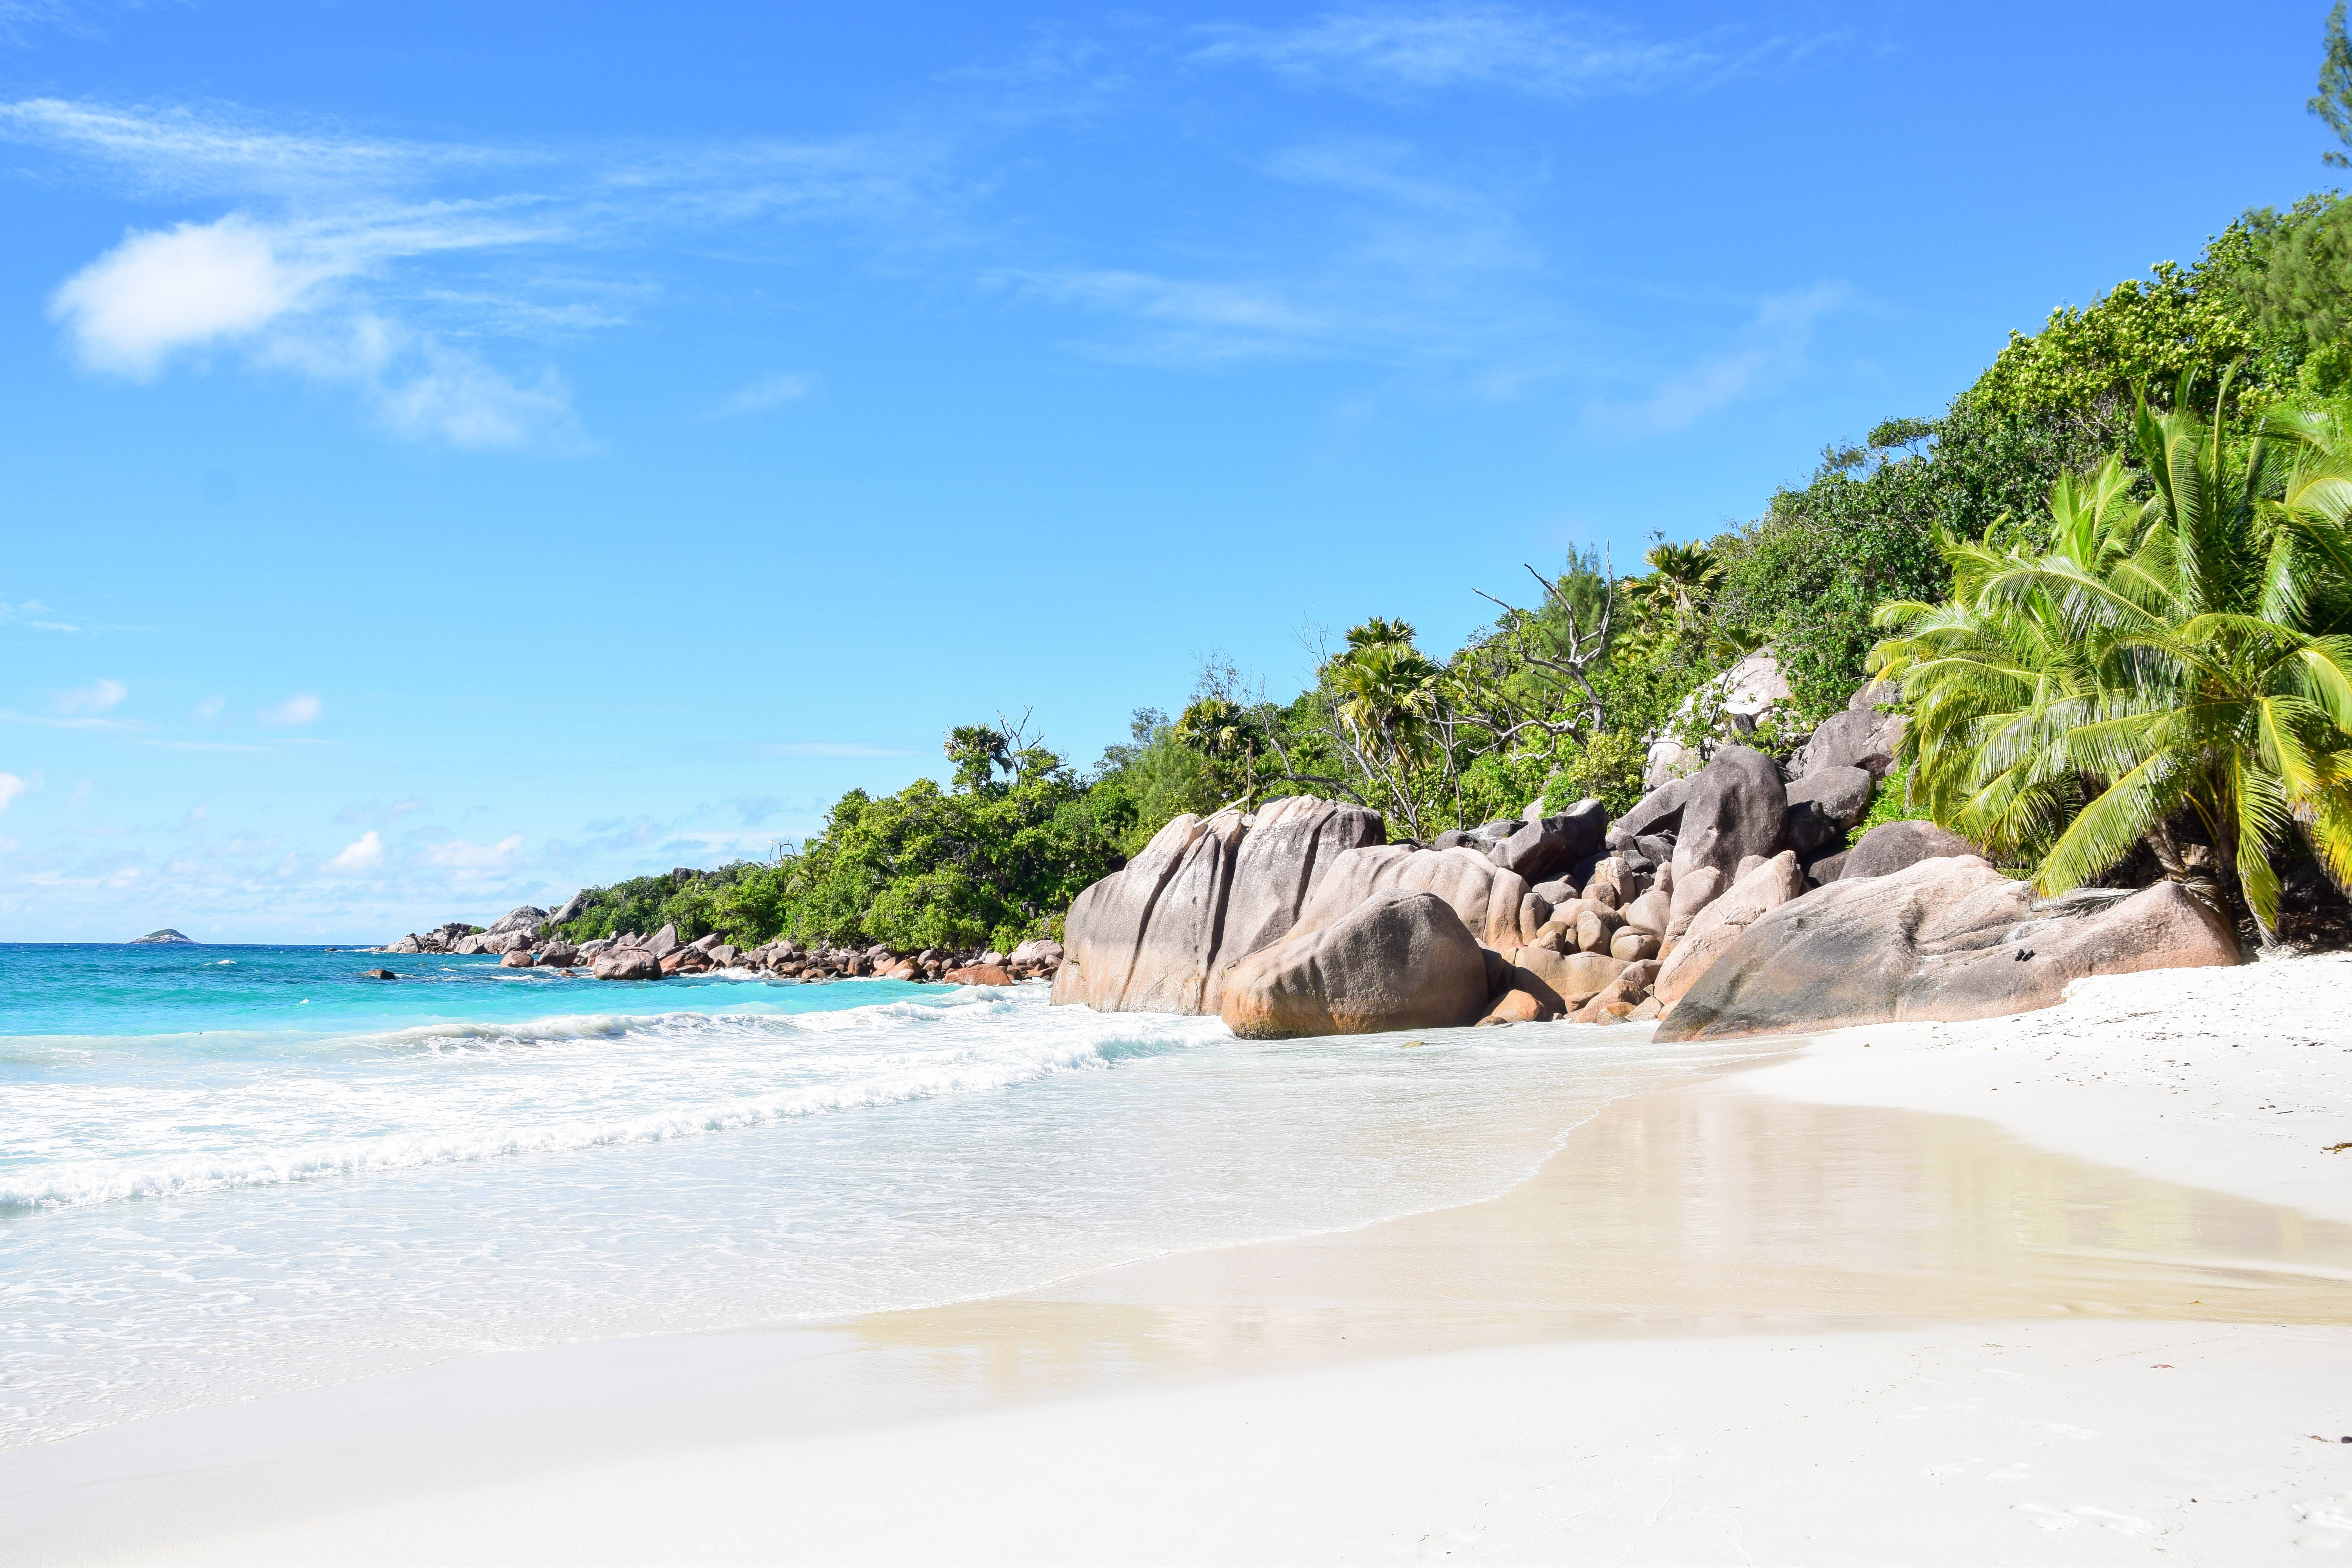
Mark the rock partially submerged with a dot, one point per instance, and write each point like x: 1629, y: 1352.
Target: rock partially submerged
x: 155, y: 938
x: 1944, y: 940
x: 1398, y: 959
x: 625, y: 964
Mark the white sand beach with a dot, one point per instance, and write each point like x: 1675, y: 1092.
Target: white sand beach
x: 2070, y: 1288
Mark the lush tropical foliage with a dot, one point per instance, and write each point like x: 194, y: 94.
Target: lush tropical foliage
x: 2114, y: 569
x: 2161, y: 663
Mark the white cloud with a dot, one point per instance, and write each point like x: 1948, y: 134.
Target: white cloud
x: 190, y: 287
x: 95, y: 698
x: 174, y: 289
x: 299, y: 709
x: 458, y: 855
x: 11, y: 786
x: 1771, y: 349
x: 210, y: 708
x: 363, y: 854
x: 320, y: 268
x: 768, y: 392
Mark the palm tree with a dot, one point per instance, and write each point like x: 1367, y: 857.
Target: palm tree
x: 1683, y: 577
x: 2180, y: 657
x: 1389, y: 698
x: 1675, y: 594
x: 1223, y: 732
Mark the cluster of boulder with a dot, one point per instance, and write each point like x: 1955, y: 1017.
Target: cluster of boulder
x: 1725, y: 903
x: 523, y: 939
x: 520, y: 929
x: 632, y: 957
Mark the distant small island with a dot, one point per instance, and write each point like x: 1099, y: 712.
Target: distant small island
x: 166, y: 934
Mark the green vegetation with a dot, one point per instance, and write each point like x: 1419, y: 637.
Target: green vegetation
x: 2161, y: 662
x: 990, y: 860
x: 2115, y: 566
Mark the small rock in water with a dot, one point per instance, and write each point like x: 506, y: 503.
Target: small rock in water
x: 381, y: 974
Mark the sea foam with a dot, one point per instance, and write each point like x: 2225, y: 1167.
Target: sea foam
x: 231, y: 1194
x: 652, y: 1078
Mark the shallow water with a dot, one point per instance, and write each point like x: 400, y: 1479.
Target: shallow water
x: 226, y: 1170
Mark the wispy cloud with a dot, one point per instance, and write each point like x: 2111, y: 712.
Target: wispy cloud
x: 768, y: 392
x: 1769, y: 350
x: 48, y: 722
x: 28, y: 611
x: 458, y: 855
x: 232, y: 282
x: 19, y: 19
x: 11, y: 786
x: 1387, y: 50
x: 299, y: 709
x: 324, y: 264
x: 95, y: 698
x: 1189, y: 320
x: 433, y: 282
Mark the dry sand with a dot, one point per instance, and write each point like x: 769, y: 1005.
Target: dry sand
x: 2074, y: 1288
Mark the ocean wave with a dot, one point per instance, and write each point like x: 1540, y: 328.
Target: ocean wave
x: 847, y: 1059
x: 99, y: 1181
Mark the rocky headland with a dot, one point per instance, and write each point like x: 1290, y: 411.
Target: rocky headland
x: 525, y: 938
x: 1730, y: 900
x: 1725, y: 903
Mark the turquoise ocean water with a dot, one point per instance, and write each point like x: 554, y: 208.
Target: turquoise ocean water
x: 225, y: 1170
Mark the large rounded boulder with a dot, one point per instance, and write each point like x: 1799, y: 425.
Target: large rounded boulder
x: 1862, y: 736
x: 1893, y: 847
x: 1737, y: 807
x: 1945, y: 940
x: 1156, y: 936
x: 1398, y: 960
x: 625, y: 964
x: 1490, y: 900
x: 1824, y: 805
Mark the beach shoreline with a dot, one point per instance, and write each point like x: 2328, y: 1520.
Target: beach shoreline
x: 1896, y: 1264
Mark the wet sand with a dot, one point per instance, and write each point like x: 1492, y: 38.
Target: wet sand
x: 1827, y: 1332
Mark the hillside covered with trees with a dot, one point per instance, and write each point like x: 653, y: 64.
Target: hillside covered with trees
x: 2111, y: 576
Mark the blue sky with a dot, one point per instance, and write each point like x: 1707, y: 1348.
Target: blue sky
x: 452, y: 454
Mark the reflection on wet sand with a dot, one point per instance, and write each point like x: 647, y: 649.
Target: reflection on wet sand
x: 1699, y: 1210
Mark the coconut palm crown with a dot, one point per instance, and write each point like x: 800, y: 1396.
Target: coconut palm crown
x: 2168, y: 647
